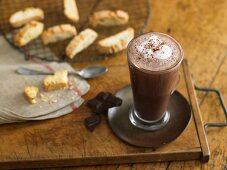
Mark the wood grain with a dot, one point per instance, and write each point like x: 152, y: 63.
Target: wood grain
x: 195, y: 25
x: 201, y: 28
x: 197, y: 116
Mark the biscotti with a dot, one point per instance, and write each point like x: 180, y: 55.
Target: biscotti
x: 30, y: 92
x: 71, y: 10
x: 109, y: 18
x: 58, y: 33
x: 57, y: 81
x: 25, y: 16
x: 80, y: 42
x: 117, y: 42
x: 28, y: 33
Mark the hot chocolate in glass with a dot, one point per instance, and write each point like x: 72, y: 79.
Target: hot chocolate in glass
x: 154, y: 60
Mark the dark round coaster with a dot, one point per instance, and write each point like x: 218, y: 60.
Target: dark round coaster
x: 118, y: 117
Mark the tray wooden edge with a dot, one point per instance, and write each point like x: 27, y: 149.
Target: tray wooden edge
x: 87, y: 161
x: 196, y: 112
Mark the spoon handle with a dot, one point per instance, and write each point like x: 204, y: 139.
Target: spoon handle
x: 27, y: 71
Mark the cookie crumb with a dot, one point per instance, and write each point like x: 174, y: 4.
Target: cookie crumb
x: 43, y: 97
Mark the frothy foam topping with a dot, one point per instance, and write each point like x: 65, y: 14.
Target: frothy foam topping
x: 154, y: 47
x: 154, y: 52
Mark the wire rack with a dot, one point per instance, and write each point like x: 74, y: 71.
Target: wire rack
x: 139, y: 13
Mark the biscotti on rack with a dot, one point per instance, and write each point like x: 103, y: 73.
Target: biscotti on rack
x: 71, y: 10
x: 80, y: 42
x: 58, y: 33
x: 117, y: 42
x: 109, y: 18
x: 25, y: 16
x: 28, y: 33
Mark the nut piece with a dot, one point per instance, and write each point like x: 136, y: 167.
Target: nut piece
x: 117, y: 42
x: 71, y: 10
x: 80, y: 42
x: 58, y: 33
x: 109, y: 18
x: 28, y: 33
x: 57, y: 81
x: 25, y: 16
x: 30, y: 92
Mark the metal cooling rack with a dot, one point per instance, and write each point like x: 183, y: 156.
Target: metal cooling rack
x: 139, y: 13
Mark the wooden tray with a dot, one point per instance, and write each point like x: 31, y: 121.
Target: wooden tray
x: 66, y: 142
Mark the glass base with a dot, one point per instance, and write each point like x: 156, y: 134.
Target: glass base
x: 145, y: 124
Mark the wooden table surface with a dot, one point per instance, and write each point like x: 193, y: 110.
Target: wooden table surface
x: 201, y: 28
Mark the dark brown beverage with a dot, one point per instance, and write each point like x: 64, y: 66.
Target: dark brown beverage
x: 154, y: 59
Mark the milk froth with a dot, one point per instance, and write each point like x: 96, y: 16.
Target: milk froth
x: 154, y: 52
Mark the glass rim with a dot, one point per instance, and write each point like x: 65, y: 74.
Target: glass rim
x: 174, y: 67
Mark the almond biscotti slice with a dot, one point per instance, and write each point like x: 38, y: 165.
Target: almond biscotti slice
x: 117, y: 42
x: 109, y: 18
x: 30, y: 92
x: 25, y: 16
x: 58, y: 33
x: 80, y: 42
x: 57, y: 81
x: 28, y: 33
x: 71, y: 10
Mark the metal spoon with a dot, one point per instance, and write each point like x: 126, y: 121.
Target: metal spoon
x: 86, y: 72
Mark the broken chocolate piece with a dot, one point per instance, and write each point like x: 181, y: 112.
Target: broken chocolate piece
x: 103, y: 101
x: 111, y: 101
x: 92, y: 121
x: 103, y: 96
x: 95, y: 105
x: 100, y: 104
x: 115, y: 101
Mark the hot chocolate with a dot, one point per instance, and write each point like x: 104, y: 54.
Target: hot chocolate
x: 154, y: 59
